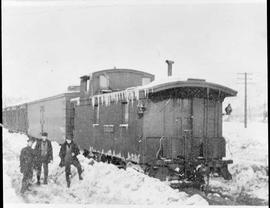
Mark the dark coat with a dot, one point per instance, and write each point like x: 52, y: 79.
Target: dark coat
x: 62, y: 153
x: 27, y: 160
x: 49, y: 156
x: 228, y: 110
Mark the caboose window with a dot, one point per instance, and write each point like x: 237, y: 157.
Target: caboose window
x: 146, y: 80
x: 103, y: 82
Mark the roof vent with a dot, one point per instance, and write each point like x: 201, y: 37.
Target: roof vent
x: 170, y: 63
x: 195, y: 80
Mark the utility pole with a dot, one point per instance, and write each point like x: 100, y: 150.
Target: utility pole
x: 245, y: 101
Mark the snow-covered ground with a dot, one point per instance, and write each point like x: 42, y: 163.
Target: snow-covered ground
x: 106, y: 184
x: 248, y: 147
x: 102, y: 184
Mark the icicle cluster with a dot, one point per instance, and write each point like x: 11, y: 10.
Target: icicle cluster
x: 129, y: 95
x: 119, y: 155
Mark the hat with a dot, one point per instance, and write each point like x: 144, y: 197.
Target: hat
x: 44, y: 134
x: 68, y: 137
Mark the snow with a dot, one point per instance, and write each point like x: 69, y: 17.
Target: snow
x: 128, y: 95
x: 161, y: 81
x: 106, y: 184
x: 77, y: 100
x: 102, y: 184
x: 131, y: 93
x: 248, y: 148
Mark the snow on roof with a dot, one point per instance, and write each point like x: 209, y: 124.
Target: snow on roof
x: 77, y: 100
x: 132, y: 93
x: 107, y: 98
x: 162, y: 81
x: 191, y: 82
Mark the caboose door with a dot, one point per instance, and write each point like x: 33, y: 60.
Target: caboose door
x: 182, y: 128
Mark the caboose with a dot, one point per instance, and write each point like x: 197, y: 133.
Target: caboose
x: 172, y: 128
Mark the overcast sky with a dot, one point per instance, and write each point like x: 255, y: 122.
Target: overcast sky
x: 48, y: 45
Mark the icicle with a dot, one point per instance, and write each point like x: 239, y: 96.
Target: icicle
x: 136, y: 94
x: 129, y: 95
x: 93, y: 101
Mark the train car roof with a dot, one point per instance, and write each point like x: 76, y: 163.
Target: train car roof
x: 13, y: 107
x: 66, y: 94
x: 174, y: 82
x: 117, y: 70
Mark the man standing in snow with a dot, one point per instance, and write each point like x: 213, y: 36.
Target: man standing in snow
x: 44, y: 155
x: 68, y: 154
x: 228, y: 110
x: 26, y: 164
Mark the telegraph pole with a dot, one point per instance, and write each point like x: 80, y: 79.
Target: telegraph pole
x: 245, y: 101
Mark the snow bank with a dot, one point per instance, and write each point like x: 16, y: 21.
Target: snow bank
x: 249, y: 150
x: 11, y: 151
x: 102, y: 184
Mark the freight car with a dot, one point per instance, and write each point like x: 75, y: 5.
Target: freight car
x: 173, y: 129
x: 54, y: 115
x: 15, y: 118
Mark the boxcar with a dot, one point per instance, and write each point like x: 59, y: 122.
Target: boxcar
x: 15, y: 118
x: 22, y: 123
x: 53, y: 115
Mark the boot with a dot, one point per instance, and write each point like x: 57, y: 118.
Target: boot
x: 68, y: 183
x: 80, y: 170
x: 45, y: 181
x: 24, y: 187
x: 68, y: 180
x: 38, y: 180
x: 28, y: 188
x: 27, y: 185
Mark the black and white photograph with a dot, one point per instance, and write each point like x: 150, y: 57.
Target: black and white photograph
x: 134, y: 103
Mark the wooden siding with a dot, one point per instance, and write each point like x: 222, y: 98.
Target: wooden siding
x: 54, y: 119
x: 15, y: 118
x: 184, y: 123
x: 122, y: 140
